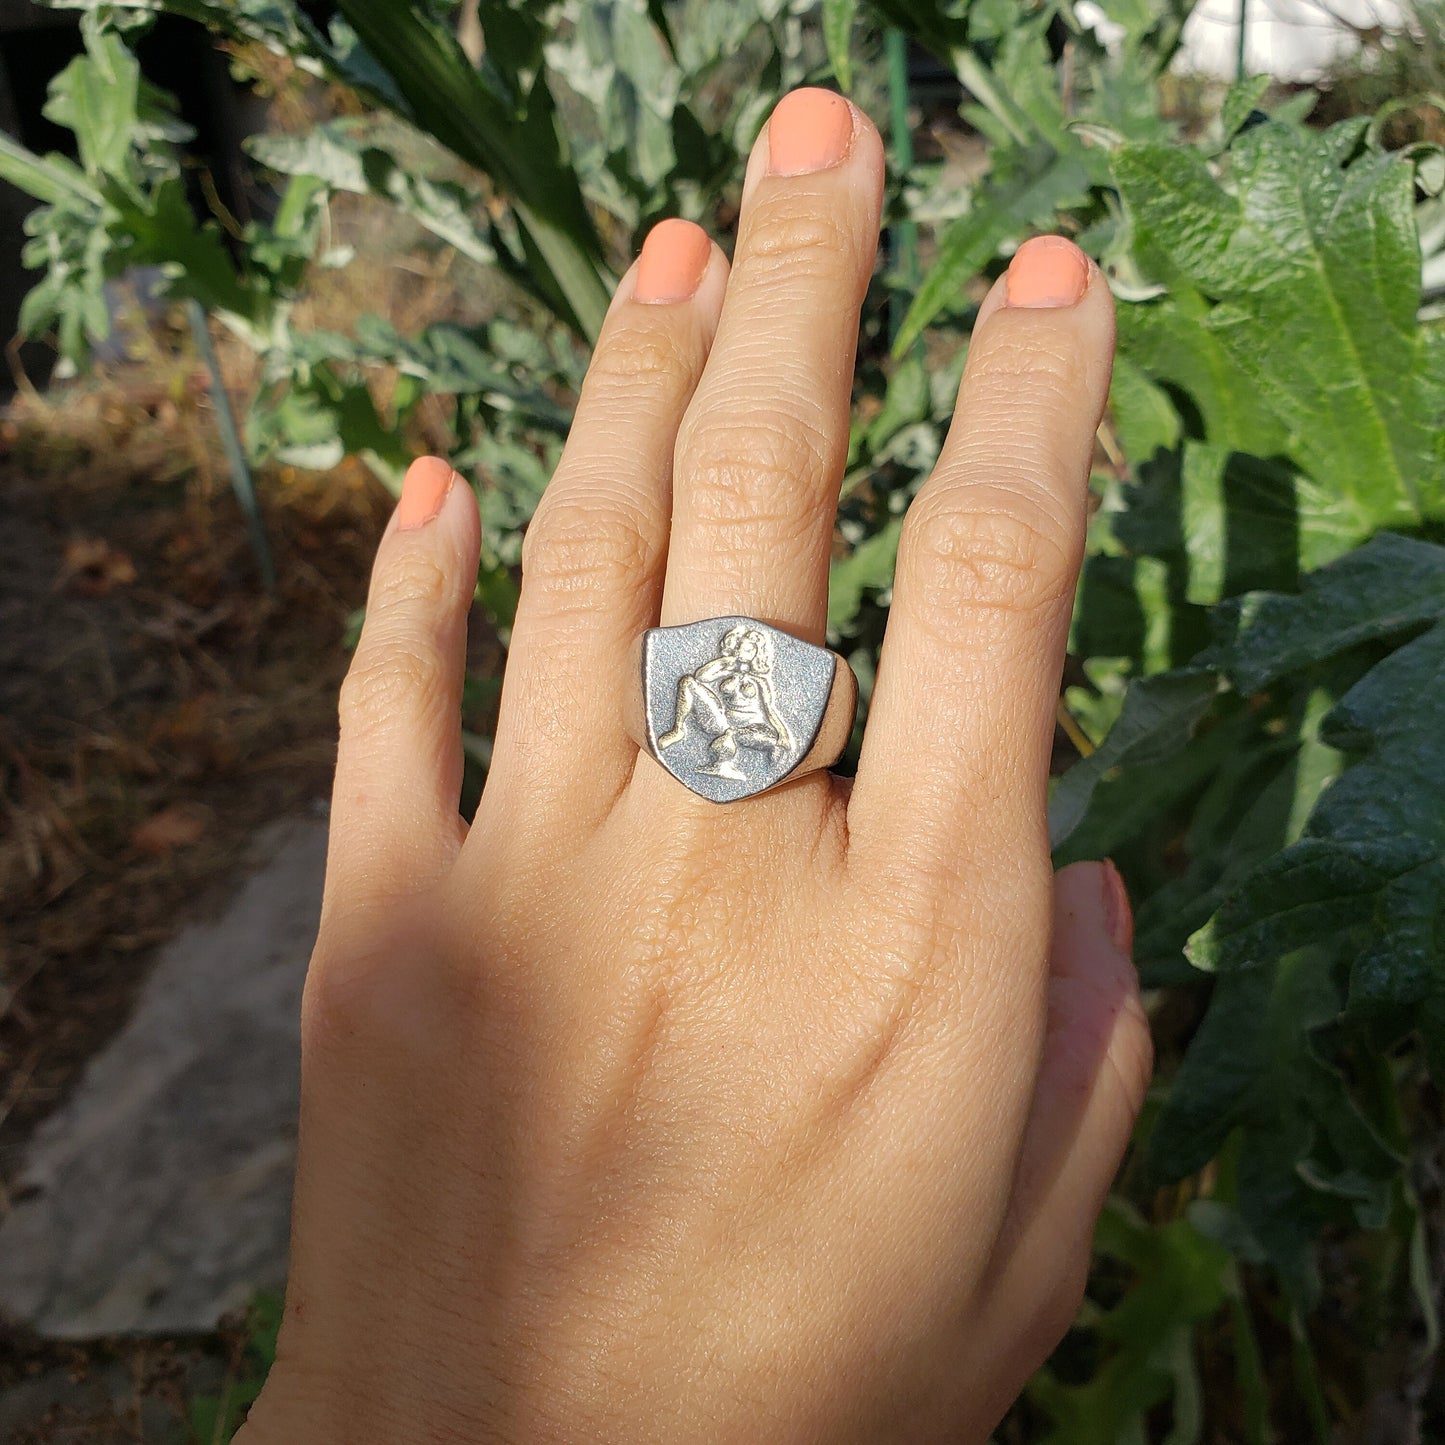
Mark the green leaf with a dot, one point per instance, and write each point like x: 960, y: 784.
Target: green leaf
x: 1177, y: 1280
x: 838, y: 18
x: 1387, y: 587
x: 98, y: 97
x: 1371, y: 861
x: 51, y: 179
x: 508, y: 132
x: 1045, y: 183
x: 1307, y: 1155
x: 349, y: 157
x: 869, y: 567
x: 1160, y: 716
x: 1305, y: 251
x: 1243, y: 99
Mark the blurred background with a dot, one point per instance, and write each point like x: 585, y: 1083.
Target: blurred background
x: 257, y: 254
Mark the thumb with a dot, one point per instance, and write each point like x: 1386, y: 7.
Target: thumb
x: 1093, y: 1074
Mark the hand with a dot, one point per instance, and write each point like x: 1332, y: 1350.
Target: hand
x: 632, y: 1118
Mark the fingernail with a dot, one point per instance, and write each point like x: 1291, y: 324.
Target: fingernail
x: 425, y: 489
x: 672, y: 263
x: 1118, y: 915
x: 1047, y: 271
x: 810, y: 131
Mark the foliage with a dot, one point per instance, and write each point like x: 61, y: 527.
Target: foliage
x: 214, y: 1419
x: 1260, y: 636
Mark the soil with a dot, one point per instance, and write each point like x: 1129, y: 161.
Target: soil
x: 156, y: 707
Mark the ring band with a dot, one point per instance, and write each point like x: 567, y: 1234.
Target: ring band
x: 731, y: 707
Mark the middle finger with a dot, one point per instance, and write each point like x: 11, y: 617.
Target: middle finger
x: 762, y: 447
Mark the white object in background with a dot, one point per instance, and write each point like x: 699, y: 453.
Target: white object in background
x: 1289, y: 39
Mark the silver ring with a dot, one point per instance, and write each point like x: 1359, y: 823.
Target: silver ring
x: 731, y: 707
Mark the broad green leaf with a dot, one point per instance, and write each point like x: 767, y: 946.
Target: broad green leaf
x: 1371, y: 861
x: 98, y: 96
x: 1306, y: 252
x: 1307, y: 1155
x: 1385, y: 588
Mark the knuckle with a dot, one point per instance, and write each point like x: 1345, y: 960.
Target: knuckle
x: 801, y: 240
x: 385, y: 679
x: 418, y: 583
x: 765, y: 471
x: 583, y: 546
x: 1040, y: 366
x: 641, y: 359
x: 991, y: 550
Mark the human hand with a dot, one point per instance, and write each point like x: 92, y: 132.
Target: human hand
x: 627, y: 1117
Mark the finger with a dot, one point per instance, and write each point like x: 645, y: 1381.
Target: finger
x: 1095, y: 1070
x: 594, y: 553
x: 955, y: 757
x: 761, y: 451
x: 394, y: 820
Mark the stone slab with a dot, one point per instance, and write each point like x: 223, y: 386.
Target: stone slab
x: 157, y: 1199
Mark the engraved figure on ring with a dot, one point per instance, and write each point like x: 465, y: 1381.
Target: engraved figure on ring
x: 730, y: 699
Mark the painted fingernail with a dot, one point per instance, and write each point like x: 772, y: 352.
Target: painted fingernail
x: 810, y: 131
x: 425, y: 489
x: 672, y: 263
x: 1047, y: 271
x: 1118, y: 915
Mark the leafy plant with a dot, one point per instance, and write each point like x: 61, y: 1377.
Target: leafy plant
x: 1259, y: 645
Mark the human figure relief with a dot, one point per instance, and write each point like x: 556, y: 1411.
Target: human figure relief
x: 731, y: 700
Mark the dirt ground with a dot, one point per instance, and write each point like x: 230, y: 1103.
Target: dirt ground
x: 156, y: 707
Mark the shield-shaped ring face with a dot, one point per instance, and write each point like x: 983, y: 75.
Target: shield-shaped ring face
x: 732, y: 705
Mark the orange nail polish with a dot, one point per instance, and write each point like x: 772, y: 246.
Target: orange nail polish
x: 810, y: 131
x: 1047, y: 271
x: 425, y: 489
x: 672, y: 263
x: 1118, y: 915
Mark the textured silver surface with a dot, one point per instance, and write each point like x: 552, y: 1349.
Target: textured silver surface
x: 733, y: 706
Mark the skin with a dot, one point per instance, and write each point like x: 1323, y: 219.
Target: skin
x: 631, y: 1118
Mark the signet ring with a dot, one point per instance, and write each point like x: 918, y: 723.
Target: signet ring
x: 732, y: 707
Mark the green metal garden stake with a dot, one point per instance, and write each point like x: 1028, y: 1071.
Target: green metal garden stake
x: 905, y: 233
x: 242, y: 482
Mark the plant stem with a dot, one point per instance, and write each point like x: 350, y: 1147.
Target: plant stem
x: 905, y: 233
x: 1241, y: 58
x: 242, y: 483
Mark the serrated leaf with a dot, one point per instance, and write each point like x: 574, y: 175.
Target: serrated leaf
x: 1380, y: 590
x: 1307, y: 1155
x: 1306, y: 253
x: 1375, y: 834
